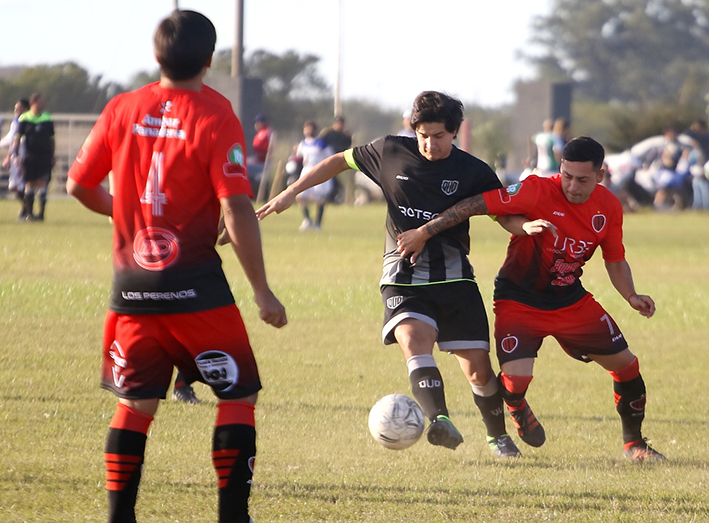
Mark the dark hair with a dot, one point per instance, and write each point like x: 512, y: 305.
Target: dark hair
x: 584, y: 149
x: 184, y: 43
x: 432, y: 106
x: 24, y: 102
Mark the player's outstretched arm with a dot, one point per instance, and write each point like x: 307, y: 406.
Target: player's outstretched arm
x: 96, y: 199
x: 322, y: 172
x: 622, y: 279
x: 240, y: 222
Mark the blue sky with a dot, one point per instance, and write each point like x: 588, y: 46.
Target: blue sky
x: 391, y: 49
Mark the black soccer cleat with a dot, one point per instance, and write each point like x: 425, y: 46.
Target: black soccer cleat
x: 527, y: 425
x: 640, y: 451
x: 185, y: 394
x: 503, y: 447
x: 442, y: 432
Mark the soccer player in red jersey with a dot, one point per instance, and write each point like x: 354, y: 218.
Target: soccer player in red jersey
x: 176, y: 151
x: 538, y: 292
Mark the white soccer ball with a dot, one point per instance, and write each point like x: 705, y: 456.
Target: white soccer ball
x: 396, y: 421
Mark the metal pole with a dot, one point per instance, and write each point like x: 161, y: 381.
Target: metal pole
x: 338, y: 103
x: 175, y: 7
x: 237, y: 59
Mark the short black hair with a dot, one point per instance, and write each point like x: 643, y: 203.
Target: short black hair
x: 184, y: 43
x: 584, y: 149
x: 432, y: 106
x: 24, y: 102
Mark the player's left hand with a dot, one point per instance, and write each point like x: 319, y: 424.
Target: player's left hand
x: 271, y: 310
x: 411, y: 243
x: 643, y: 304
x: 538, y: 226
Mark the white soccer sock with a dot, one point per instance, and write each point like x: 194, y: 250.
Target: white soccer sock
x: 420, y: 361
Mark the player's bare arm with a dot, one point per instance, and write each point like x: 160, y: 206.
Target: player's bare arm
x: 241, y: 224
x: 412, y: 242
x: 523, y: 226
x: 322, y: 172
x: 96, y: 199
x: 622, y: 279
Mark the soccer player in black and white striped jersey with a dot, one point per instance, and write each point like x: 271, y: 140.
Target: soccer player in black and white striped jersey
x: 435, y: 301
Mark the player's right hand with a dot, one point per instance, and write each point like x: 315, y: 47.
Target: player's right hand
x: 277, y: 204
x: 409, y: 244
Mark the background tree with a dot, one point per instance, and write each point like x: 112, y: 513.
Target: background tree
x: 636, y: 64
x: 67, y: 88
x: 629, y: 50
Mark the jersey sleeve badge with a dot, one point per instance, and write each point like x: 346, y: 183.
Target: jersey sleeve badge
x: 236, y: 160
x: 506, y: 193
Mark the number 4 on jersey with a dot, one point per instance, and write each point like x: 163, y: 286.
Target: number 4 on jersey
x: 153, y: 195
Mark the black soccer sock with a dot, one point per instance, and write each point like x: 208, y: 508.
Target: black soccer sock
x: 124, y: 454
x: 42, y: 202
x: 233, y: 455
x: 306, y: 212
x: 629, y: 393
x: 427, y: 388
x: 179, y: 380
x: 28, y: 206
x: 321, y: 211
x: 491, y: 409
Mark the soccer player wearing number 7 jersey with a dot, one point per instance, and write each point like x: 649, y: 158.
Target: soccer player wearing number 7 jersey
x: 538, y: 292
x: 176, y: 151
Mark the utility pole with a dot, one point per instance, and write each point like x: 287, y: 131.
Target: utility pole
x: 338, y: 74
x: 237, y: 59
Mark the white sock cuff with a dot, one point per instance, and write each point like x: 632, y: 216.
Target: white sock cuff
x: 420, y: 361
x: 486, y: 390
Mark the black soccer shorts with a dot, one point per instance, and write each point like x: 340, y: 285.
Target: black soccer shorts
x: 455, y: 309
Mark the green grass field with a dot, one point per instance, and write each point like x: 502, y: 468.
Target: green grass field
x: 322, y: 373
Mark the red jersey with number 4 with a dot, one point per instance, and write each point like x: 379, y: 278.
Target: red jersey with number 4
x: 543, y: 271
x: 172, y: 154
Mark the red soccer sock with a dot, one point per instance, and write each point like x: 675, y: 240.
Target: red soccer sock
x: 515, y: 387
x: 627, y: 373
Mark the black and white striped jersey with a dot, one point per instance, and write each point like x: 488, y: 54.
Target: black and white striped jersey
x: 417, y: 190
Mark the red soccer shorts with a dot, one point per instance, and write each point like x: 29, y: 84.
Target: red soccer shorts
x: 140, y: 351
x: 581, y: 329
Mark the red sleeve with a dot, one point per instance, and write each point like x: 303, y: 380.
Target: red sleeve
x: 93, y: 163
x: 519, y: 198
x: 228, y: 162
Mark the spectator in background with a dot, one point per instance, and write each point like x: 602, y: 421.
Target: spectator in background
x: 338, y: 139
x: 699, y: 132
x: 36, y: 131
x: 545, y: 152
x: 406, y: 129
x: 312, y: 150
x: 336, y: 136
x: 669, y: 176
x: 11, y: 161
x: 259, y: 146
x: 561, y: 132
